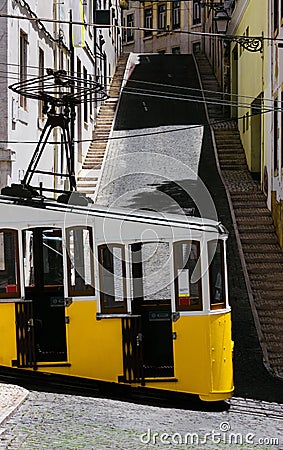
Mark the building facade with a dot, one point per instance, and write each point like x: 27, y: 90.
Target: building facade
x: 27, y: 48
x: 274, y: 132
x: 163, y: 27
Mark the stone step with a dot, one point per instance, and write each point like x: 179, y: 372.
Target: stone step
x: 248, y: 196
x: 228, y: 157
x: 236, y: 145
x: 230, y: 164
x: 253, y: 213
x: 266, y: 257
x: 94, y: 154
x: 230, y: 151
x: 87, y: 191
x: 90, y: 166
x: 98, y: 145
x: 260, y: 238
x: 259, y: 229
x: 86, y: 180
x: 262, y: 248
x: 93, y: 161
x: 260, y: 267
x: 268, y: 286
x: 249, y: 205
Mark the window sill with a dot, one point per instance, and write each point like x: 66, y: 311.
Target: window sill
x: 100, y: 316
x: 162, y: 33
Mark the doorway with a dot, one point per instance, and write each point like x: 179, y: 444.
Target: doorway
x: 256, y: 138
x: 43, y: 273
x: 151, y: 300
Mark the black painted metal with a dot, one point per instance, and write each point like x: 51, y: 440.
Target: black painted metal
x: 25, y: 335
x: 132, y: 350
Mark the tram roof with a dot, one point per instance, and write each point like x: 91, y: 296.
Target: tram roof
x: 142, y: 216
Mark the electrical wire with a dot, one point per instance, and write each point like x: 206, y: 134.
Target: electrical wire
x: 138, y: 81
x: 183, y: 88
x: 158, y: 30
x: 182, y: 128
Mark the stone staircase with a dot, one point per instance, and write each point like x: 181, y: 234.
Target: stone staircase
x: 262, y: 254
x: 91, y: 169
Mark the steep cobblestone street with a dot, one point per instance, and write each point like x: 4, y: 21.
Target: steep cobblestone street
x: 54, y: 421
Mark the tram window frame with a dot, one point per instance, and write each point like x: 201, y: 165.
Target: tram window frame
x: 37, y: 269
x: 221, y: 304
x: 120, y: 306
x: 188, y: 307
x: 14, y: 290
x: 89, y: 288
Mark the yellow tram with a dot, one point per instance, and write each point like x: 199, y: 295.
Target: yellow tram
x: 124, y: 297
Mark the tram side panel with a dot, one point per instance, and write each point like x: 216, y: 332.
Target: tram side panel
x: 8, y: 351
x: 94, y: 346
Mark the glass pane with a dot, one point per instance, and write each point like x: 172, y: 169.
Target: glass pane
x: 187, y: 276
x: 28, y: 258
x: 156, y: 271
x: 216, y: 273
x: 80, y: 261
x: 8, y: 264
x: 112, y: 280
x: 52, y: 257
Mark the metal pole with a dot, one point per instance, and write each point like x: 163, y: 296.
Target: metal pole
x: 72, y: 106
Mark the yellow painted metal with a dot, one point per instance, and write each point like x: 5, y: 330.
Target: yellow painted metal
x: 202, y: 350
x: 8, y: 334
x: 94, y: 346
x: 202, y: 357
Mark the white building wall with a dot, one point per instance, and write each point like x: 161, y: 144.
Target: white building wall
x: 24, y: 124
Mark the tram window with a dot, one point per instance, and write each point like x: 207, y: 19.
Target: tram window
x: 216, y: 274
x: 80, y: 261
x: 52, y: 257
x: 112, y: 278
x: 43, y: 257
x: 9, y: 264
x: 151, y: 271
x: 187, y: 268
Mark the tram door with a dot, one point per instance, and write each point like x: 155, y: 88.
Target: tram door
x: 43, y: 272
x: 152, y: 300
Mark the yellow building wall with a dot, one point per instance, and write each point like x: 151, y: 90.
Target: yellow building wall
x: 252, y: 71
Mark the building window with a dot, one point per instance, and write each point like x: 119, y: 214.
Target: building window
x: 196, y: 47
x: 275, y: 16
x: 85, y: 102
x: 112, y: 273
x: 9, y: 264
x: 216, y: 274
x: 23, y: 64
x: 161, y: 17
x: 80, y: 261
x: 187, y: 275
x: 176, y: 50
x: 130, y: 25
x: 41, y: 75
x: 275, y: 138
x: 196, y: 12
x: 148, y: 21
x: 176, y: 15
x: 281, y: 135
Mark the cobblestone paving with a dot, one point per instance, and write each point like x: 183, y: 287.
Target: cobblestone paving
x: 55, y: 421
